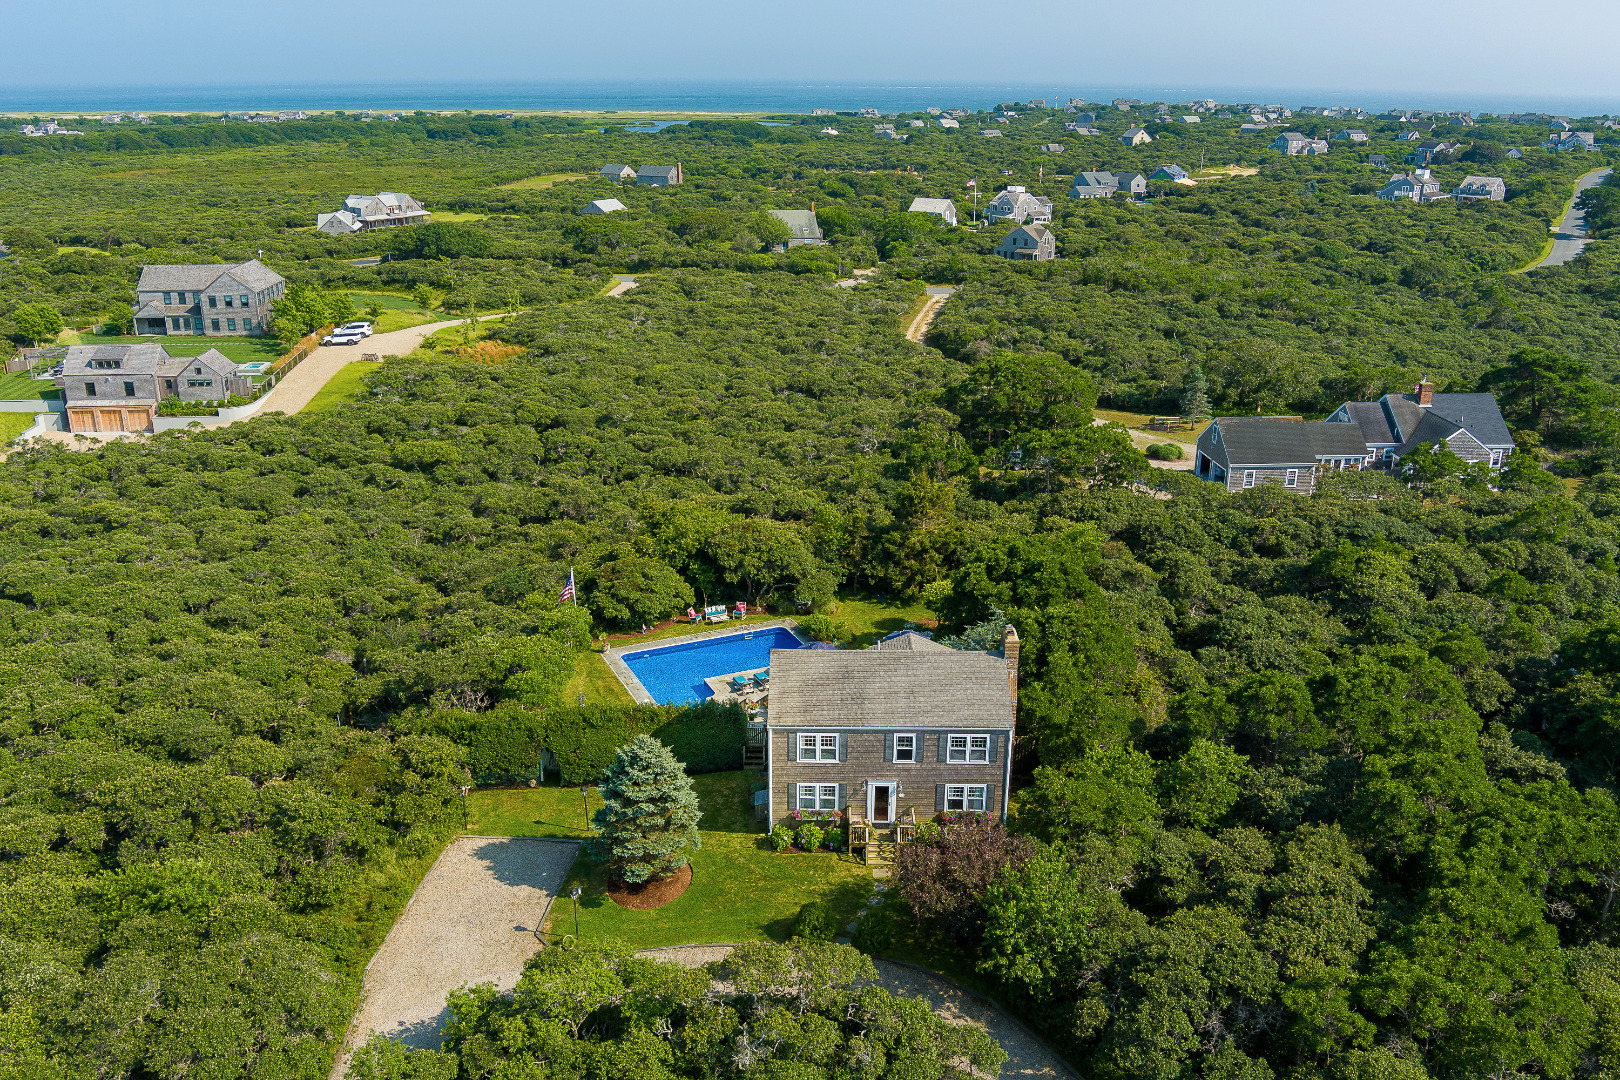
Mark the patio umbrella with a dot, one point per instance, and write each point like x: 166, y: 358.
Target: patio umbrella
x: 823, y: 645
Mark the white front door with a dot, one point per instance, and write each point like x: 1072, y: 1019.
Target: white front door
x: 881, y: 801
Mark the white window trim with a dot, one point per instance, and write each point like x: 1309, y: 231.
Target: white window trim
x: 1292, y: 479
x: 818, y: 793
x: 916, y: 747
x: 820, y: 745
x: 1248, y: 478
x: 967, y: 757
x: 966, y: 797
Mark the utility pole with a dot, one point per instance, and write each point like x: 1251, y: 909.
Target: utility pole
x: 574, y: 896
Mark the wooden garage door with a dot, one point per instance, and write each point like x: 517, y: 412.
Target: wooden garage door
x: 112, y: 420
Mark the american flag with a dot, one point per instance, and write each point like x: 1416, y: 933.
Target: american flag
x: 973, y: 182
x: 568, y: 590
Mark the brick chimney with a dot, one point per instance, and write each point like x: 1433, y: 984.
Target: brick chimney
x: 1009, y: 650
x: 1425, y: 393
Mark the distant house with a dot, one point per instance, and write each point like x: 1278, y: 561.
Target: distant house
x: 1017, y: 204
x: 210, y: 299
x: 118, y: 387
x: 947, y: 122
x: 1378, y: 161
x: 829, y: 131
x: 1131, y: 183
x: 1028, y: 243
x: 990, y: 133
x: 1192, y: 119
x: 363, y: 213
x: 1350, y: 135
x: 1558, y: 124
x: 1253, y: 127
x: 659, y: 175
x: 890, y: 133
x: 1135, y: 137
x: 1082, y: 129
x: 802, y: 225
x: 1295, y: 144
x: 1428, y: 151
x: 1409, y: 136
x: 1493, y: 188
x: 1571, y: 140
x: 943, y: 209
x: 1253, y: 451
x: 916, y: 123
x: 1169, y: 172
x: 1420, y: 186
x: 1052, y: 147
x: 603, y: 206
x: 618, y: 173
x: 297, y: 115
x: 1515, y: 153
x: 1085, y: 118
x: 823, y: 112
x: 1093, y: 185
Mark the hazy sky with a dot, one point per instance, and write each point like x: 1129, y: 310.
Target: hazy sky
x: 1447, y: 46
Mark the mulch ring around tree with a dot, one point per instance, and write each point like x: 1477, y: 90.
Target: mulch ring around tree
x: 652, y: 894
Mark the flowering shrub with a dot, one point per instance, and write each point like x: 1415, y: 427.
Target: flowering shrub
x: 810, y: 836
x: 827, y: 819
x: 781, y: 838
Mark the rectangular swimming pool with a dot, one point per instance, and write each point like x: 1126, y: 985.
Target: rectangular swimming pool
x: 674, y: 674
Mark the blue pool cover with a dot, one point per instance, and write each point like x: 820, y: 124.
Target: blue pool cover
x: 674, y: 675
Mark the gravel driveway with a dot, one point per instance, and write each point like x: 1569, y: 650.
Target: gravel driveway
x: 472, y: 920
x: 1027, y: 1055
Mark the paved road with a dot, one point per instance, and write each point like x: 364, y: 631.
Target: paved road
x: 622, y: 283
x: 1571, y: 232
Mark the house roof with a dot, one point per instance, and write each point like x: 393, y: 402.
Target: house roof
x: 614, y: 170
x: 893, y: 688
x: 910, y: 641
x: 198, y: 277
x: 151, y: 310
x: 1481, y: 182
x: 1372, y: 420
x: 1479, y: 413
x: 1270, y: 440
x: 1095, y: 179
x: 146, y: 358
x: 921, y: 205
x: 1034, y: 232
x: 657, y: 170
x: 604, y: 206
x: 802, y: 223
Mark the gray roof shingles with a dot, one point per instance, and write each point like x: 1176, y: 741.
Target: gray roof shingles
x: 889, y: 688
x: 198, y: 277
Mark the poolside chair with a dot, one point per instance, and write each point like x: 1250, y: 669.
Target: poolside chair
x: 762, y: 677
x: 739, y: 683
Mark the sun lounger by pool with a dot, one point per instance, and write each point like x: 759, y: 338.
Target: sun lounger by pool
x: 762, y: 677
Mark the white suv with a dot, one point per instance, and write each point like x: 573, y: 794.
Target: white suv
x: 362, y: 328
x: 342, y: 337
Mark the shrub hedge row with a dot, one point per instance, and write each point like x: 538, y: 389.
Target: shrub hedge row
x: 508, y: 743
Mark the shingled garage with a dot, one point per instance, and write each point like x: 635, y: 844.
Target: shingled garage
x: 1246, y: 452
x: 894, y: 733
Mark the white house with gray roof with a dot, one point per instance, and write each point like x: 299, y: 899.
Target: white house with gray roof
x: 943, y: 209
x: 213, y: 300
x: 1493, y: 188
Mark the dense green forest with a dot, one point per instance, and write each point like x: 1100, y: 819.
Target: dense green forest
x: 1313, y: 787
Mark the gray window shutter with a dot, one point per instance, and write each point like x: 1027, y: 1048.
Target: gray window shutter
x: 939, y: 796
x: 989, y: 798
x: 888, y: 746
x: 995, y: 740
x: 942, y: 741
x: 793, y: 750
x: 843, y: 746
x: 843, y: 797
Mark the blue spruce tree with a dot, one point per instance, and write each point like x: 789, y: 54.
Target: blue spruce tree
x: 647, y: 826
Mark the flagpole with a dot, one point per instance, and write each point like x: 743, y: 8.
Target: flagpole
x: 573, y: 593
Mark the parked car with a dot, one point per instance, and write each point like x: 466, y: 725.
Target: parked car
x: 342, y: 337
x: 362, y: 328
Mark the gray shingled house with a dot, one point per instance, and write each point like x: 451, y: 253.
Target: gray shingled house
x: 363, y: 213
x: 1028, y: 243
x: 213, y: 300
x: 118, y: 387
x: 617, y: 173
x: 943, y: 209
x: 1093, y: 185
x: 659, y: 175
x: 1017, y: 204
x: 1249, y: 451
x: 895, y: 733
x: 803, y: 226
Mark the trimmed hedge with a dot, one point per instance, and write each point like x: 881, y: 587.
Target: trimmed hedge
x: 508, y: 743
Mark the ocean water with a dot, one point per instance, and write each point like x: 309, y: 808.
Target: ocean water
x: 674, y: 675
x: 721, y: 96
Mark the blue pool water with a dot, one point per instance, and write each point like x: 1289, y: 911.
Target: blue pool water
x: 674, y: 675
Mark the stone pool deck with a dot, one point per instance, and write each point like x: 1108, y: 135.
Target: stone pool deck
x: 615, y: 656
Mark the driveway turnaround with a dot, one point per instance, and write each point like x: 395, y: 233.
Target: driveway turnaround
x: 1570, y: 236
x: 474, y: 919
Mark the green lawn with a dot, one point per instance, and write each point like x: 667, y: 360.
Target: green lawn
x: 399, y: 312
x: 544, y: 181
x: 346, y: 385
x: 20, y: 387
x: 13, y: 424
x: 593, y: 679
x: 866, y: 620
x: 741, y: 889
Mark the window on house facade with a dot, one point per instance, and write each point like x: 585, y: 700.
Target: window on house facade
x: 175, y: 324
x: 818, y: 796
x: 230, y: 324
x: 199, y: 382
x: 968, y: 748
x: 905, y: 748
x: 89, y: 389
x: 965, y: 796
x: 129, y: 389
x: 1496, y: 458
x: 1292, y: 479
x: 166, y: 299
x: 1248, y: 478
x: 244, y: 300
x: 817, y: 746
x: 213, y: 301
x: 229, y: 301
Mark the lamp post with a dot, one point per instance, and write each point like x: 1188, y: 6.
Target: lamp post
x: 464, y: 808
x: 586, y: 802
x: 574, y: 896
